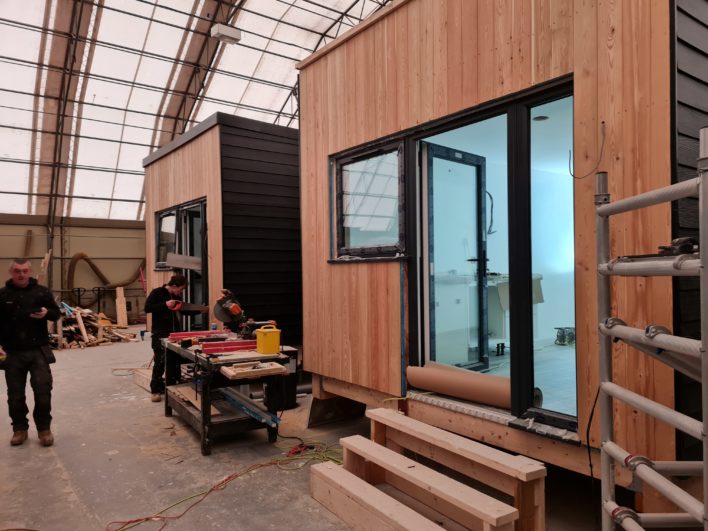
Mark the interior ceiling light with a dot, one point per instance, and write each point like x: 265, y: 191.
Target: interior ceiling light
x: 226, y: 33
x: 540, y: 118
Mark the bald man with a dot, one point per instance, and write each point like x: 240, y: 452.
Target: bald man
x: 25, y: 308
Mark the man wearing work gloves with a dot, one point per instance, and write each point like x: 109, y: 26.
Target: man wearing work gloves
x: 25, y: 308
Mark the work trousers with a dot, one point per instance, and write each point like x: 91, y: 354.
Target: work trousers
x: 157, y: 382
x: 17, y: 365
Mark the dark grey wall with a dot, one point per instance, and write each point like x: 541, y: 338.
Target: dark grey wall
x: 690, y: 115
x: 261, y: 221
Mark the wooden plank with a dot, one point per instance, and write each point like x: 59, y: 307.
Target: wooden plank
x: 516, y: 466
x: 183, y: 261
x: 246, y: 373
x: 568, y: 456
x: 142, y: 377
x: 370, y: 397
x: 246, y: 355
x: 463, y: 504
x: 446, y: 523
x: 360, y: 505
x: 187, y: 393
x: 121, y: 309
x: 80, y: 322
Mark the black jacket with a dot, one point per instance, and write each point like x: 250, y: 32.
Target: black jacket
x: 19, y: 331
x: 164, y: 320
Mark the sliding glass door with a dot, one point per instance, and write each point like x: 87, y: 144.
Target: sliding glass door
x: 457, y: 263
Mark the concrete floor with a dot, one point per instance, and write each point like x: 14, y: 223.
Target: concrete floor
x: 117, y: 457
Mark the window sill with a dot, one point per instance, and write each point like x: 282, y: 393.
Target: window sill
x: 367, y: 259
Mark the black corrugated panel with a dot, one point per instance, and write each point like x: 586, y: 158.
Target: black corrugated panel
x: 690, y: 71
x: 261, y: 222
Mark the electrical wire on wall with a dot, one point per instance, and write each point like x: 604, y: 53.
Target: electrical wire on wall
x: 599, y: 158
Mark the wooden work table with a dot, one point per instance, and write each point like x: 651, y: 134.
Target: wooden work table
x: 212, y: 403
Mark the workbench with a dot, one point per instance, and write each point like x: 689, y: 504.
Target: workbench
x: 211, y: 403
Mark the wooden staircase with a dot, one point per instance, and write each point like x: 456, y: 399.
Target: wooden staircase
x: 380, y: 488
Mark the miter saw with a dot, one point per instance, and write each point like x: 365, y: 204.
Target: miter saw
x: 229, y: 311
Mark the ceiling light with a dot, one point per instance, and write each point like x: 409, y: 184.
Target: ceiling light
x: 540, y: 118
x: 226, y: 33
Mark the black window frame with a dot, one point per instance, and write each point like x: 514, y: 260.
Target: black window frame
x: 337, y: 162
x: 517, y: 108
x: 176, y: 210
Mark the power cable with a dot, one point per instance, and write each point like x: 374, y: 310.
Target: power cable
x: 304, y: 453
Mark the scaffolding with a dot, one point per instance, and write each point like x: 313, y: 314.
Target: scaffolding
x: 682, y: 354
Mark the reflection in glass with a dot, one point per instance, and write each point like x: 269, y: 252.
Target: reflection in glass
x: 467, y: 248
x: 553, y: 258
x: 370, y: 202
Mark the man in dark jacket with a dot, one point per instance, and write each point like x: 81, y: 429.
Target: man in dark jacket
x: 25, y: 308
x: 163, y: 303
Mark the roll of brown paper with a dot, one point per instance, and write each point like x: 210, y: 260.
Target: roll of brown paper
x: 461, y: 383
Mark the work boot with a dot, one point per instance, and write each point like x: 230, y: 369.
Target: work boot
x: 18, y: 437
x: 46, y: 437
x: 155, y: 397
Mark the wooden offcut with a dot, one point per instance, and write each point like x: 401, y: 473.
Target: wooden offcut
x: 253, y: 370
x: 465, y: 505
x: 121, y: 310
x: 187, y: 393
x: 183, y: 261
x: 515, y: 475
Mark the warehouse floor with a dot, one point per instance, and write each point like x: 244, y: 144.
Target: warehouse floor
x: 118, y: 458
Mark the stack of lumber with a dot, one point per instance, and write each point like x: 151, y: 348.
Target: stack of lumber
x: 81, y: 328
x: 380, y: 488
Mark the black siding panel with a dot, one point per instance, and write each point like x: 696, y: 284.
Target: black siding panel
x: 261, y: 222
x: 690, y: 71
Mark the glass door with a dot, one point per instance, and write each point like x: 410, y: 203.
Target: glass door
x: 193, y: 244
x: 456, y: 257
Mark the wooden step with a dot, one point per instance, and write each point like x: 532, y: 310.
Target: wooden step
x: 518, y: 476
x: 467, y: 506
x: 516, y: 466
x: 359, y: 504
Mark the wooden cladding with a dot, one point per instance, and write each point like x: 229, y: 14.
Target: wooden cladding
x: 427, y: 59
x: 423, y: 60
x: 261, y: 222
x: 185, y: 174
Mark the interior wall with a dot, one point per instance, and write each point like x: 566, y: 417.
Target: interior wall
x: 117, y: 252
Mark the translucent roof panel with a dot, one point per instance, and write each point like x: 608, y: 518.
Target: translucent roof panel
x: 73, y: 134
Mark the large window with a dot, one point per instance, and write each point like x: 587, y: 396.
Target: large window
x: 553, y: 255
x: 166, y: 242
x: 495, y: 291
x: 181, y: 230
x: 368, y: 216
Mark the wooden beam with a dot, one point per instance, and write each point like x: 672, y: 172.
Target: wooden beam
x: 565, y: 455
x: 361, y: 505
x: 370, y: 397
x: 183, y: 261
x: 121, y: 311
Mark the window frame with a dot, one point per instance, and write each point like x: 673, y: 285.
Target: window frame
x: 337, y: 162
x: 175, y: 210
